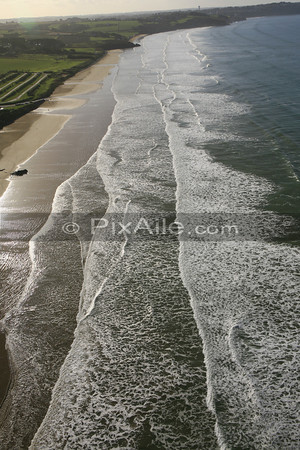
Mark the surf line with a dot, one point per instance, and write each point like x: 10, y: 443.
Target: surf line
x: 121, y: 255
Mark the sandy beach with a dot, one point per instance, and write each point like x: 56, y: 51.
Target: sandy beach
x: 20, y: 140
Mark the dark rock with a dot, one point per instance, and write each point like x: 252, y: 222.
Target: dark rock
x: 20, y: 173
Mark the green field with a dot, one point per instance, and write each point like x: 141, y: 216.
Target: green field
x: 17, y: 85
x: 37, y: 63
x: 82, y: 49
x: 30, y: 87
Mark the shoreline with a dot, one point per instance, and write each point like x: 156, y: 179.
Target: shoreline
x: 23, y: 138
x: 137, y: 38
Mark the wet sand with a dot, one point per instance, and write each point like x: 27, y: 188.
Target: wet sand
x: 4, y: 372
x: 20, y: 140
x: 61, y: 135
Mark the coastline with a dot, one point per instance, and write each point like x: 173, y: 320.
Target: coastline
x: 24, y: 137
x: 136, y: 39
x: 219, y: 385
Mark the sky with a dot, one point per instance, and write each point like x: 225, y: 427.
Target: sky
x: 40, y: 8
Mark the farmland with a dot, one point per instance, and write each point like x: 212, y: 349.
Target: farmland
x: 37, y: 63
x: 26, y: 81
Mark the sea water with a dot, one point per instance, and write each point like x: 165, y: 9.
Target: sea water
x: 182, y: 340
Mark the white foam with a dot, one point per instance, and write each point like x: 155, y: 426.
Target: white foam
x: 120, y: 360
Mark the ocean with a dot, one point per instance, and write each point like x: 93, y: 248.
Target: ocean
x: 177, y: 247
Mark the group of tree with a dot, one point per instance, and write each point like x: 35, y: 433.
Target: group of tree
x: 14, y: 45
